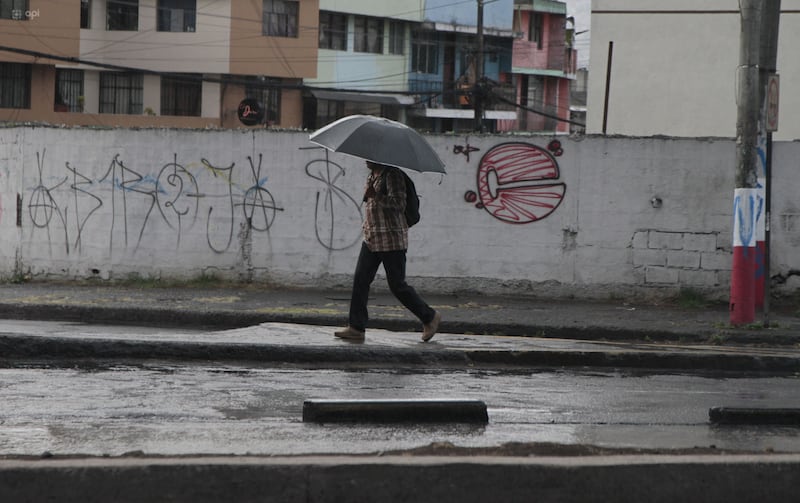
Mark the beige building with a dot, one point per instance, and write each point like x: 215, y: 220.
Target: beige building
x: 172, y: 63
x: 670, y: 68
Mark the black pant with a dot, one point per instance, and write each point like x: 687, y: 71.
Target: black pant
x: 394, y: 263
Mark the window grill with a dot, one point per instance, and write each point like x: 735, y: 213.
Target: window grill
x: 13, y: 9
x: 121, y: 93
x: 69, y: 91
x: 332, y: 31
x: 181, y: 95
x: 122, y: 15
x: 177, y: 15
x: 368, y: 35
x: 266, y: 91
x: 280, y: 18
x: 424, y: 52
x: 15, y: 85
x: 397, y: 37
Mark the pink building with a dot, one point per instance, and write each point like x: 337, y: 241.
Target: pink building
x: 543, y: 64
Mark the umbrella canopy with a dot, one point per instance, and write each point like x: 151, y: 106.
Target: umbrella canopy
x: 379, y: 140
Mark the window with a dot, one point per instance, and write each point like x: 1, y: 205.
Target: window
x: 177, y: 15
x: 122, y: 15
x: 535, y: 29
x: 69, y: 91
x: 332, y: 31
x: 397, y: 37
x: 15, y: 85
x: 268, y: 92
x: 13, y: 9
x: 280, y: 18
x: 181, y: 95
x: 121, y: 93
x: 328, y: 111
x: 424, y: 52
x: 368, y: 35
x: 86, y: 10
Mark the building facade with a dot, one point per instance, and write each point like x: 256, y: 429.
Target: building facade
x: 543, y: 66
x: 363, y: 61
x: 300, y: 63
x: 170, y: 63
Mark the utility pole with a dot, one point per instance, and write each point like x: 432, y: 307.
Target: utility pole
x: 477, y: 94
x: 748, y: 200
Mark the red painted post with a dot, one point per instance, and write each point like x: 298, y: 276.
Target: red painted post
x: 742, y: 301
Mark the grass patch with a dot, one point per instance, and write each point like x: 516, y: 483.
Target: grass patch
x: 690, y: 298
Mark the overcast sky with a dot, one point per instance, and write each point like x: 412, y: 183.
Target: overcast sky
x: 581, y: 11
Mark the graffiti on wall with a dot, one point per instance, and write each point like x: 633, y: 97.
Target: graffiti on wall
x: 333, y: 204
x: 42, y: 207
x: 70, y: 205
x: 465, y: 149
x: 517, y: 182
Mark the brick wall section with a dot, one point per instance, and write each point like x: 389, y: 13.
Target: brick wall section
x: 680, y: 258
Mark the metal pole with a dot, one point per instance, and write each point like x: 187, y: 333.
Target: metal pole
x: 478, y: 94
x: 608, y: 84
x: 767, y: 204
x: 746, y: 195
x: 768, y: 57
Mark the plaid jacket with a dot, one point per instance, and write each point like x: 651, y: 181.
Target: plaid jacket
x: 385, y: 227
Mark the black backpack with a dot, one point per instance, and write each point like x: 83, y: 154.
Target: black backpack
x: 412, y: 199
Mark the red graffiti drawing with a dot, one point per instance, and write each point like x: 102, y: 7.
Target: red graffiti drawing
x: 510, y: 185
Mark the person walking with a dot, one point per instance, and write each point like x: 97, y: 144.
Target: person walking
x: 385, y: 242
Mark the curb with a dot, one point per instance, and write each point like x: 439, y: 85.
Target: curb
x: 69, y: 350
x: 230, y: 319
x: 655, y: 479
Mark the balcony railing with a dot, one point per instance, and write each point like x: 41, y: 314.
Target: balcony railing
x: 433, y: 94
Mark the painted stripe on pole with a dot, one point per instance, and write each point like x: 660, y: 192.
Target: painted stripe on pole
x: 747, y: 204
x: 395, y: 411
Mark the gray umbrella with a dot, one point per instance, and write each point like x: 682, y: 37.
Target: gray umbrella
x: 379, y: 140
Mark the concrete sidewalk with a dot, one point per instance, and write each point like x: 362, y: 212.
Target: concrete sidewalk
x: 249, y: 323
x: 296, y: 326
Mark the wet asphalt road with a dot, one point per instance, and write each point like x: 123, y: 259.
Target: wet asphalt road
x: 170, y: 408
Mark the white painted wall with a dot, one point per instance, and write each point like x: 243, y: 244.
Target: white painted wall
x: 673, y: 68
x: 410, y: 10
x: 176, y: 203
x: 206, y: 50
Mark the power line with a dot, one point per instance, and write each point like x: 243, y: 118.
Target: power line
x: 191, y: 77
x: 229, y: 80
x: 537, y: 112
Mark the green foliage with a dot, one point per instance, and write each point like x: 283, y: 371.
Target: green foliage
x: 690, y: 298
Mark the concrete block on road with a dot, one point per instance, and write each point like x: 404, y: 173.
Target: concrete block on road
x: 753, y: 415
x: 395, y: 411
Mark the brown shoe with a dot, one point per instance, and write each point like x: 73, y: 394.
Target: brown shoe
x: 350, y: 334
x: 429, y: 329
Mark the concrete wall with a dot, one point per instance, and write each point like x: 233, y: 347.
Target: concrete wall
x: 590, y: 217
x: 673, y: 68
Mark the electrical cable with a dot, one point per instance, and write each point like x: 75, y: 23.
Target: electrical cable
x: 537, y: 112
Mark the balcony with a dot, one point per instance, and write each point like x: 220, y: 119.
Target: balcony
x: 433, y: 95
